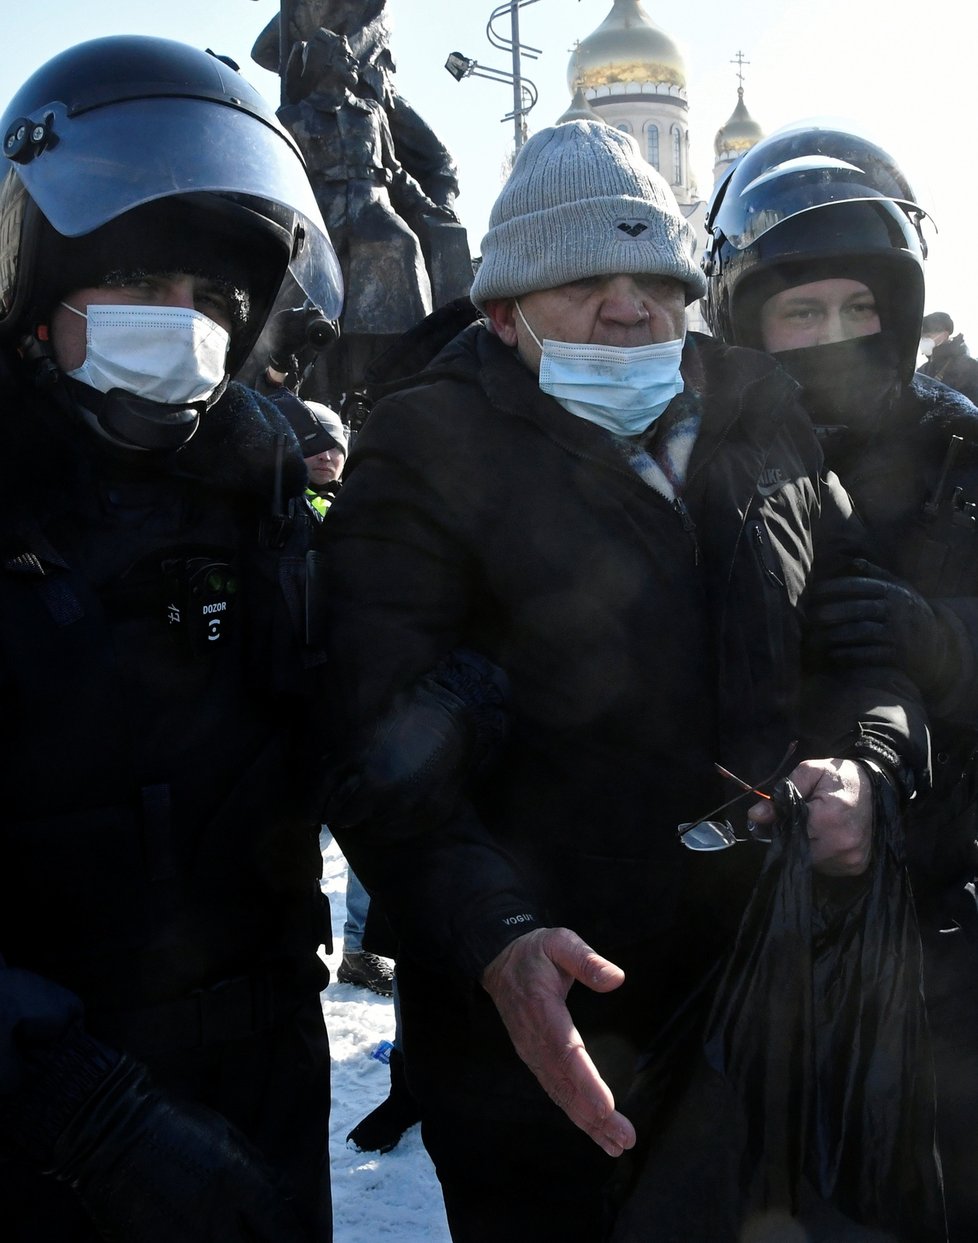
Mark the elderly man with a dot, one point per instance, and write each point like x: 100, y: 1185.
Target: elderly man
x: 624, y: 518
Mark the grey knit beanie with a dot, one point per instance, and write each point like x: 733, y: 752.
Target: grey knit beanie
x: 581, y: 202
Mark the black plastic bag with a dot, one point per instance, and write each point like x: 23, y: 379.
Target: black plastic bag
x: 791, y: 1095
x: 818, y: 1027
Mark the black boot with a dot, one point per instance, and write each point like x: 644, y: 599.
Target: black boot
x: 367, y: 970
x: 382, y: 1129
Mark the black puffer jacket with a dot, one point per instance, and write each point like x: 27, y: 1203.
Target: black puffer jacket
x: 157, y: 835
x: 642, y: 641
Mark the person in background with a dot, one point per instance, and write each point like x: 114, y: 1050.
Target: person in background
x: 326, y: 467
x: 816, y: 255
x: 947, y: 355
x: 624, y: 518
x: 323, y: 440
x: 164, y: 1066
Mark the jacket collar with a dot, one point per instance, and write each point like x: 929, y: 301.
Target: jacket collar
x: 49, y: 458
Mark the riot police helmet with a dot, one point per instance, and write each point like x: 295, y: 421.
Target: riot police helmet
x: 134, y: 151
x: 809, y: 202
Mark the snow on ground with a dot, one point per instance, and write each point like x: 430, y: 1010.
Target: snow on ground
x: 375, y: 1198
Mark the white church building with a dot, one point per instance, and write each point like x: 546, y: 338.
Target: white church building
x: 630, y: 74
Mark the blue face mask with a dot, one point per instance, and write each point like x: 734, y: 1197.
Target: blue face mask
x: 619, y: 387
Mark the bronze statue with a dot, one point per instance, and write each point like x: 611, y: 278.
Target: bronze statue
x: 364, y: 23
x: 384, y: 181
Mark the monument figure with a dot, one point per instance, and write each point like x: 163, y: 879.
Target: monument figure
x: 384, y: 181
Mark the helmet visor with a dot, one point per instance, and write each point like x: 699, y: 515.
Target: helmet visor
x: 107, y: 161
x: 758, y: 197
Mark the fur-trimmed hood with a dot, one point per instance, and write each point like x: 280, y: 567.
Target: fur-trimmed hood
x: 945, y: 409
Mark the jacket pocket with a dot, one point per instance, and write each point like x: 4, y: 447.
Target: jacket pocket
x: 769, y: 617
x: 766, y: 560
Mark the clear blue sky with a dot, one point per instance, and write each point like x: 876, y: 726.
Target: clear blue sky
x: 909, y: 83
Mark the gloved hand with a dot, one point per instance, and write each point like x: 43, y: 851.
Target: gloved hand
x: 147, y: 1168
x: 296, y: 334
x: 150, y: 1169
x: 449, y: 725
x: 872, y: 617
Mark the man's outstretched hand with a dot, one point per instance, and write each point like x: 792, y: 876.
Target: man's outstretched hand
x: 529, y: 982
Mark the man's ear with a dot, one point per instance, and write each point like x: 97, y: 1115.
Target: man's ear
x: 502, y: 317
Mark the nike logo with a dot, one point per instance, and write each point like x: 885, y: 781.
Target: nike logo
x: 771, y: 481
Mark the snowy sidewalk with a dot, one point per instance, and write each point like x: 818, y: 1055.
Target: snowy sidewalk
x: 391, y: 1197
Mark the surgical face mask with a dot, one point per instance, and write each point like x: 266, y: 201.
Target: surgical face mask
x: 619, y: 387
x: 167, y: 354
x: 926, y: 346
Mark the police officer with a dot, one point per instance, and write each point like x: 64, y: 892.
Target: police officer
x: 816, y: 255
x: 164, y: 1068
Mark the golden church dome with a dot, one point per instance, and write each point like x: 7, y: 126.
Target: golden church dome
x: 740, y: 133
x: 626, y: 47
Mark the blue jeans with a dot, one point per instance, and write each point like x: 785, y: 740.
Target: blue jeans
x: 357, y: 901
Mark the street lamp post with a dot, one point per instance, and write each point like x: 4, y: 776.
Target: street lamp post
x: 524, y: 91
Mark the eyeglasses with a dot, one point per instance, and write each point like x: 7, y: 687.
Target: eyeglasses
x: 711, y: 833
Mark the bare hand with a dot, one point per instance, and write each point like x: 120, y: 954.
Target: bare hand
x: 839, y: 794
x: 529, y: 982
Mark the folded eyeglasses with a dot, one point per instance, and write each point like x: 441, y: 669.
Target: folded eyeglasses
x: 710, y: 832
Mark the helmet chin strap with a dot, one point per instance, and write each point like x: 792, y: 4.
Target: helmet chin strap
x: 142, y: 424
x: 125, y: 419
x: 132, y: 422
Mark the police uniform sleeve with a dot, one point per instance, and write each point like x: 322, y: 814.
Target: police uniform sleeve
x: 870, y: 710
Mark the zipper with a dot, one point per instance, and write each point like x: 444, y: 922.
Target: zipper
x: 760, y: 549
x: 689, y: 526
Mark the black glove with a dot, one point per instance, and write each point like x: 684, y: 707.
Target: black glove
x: 872, y: 617
x: 146, y: 1167
x: 447, y: 727
x: 296, y: 334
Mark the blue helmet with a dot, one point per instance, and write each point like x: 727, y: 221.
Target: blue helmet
x: 159, y: 147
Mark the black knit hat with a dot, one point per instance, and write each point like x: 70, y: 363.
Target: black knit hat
x: 315, y: 432
x: 938, y: 321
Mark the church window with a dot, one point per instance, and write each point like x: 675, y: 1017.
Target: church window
x: 677, y: 156
x: 652, y: 145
